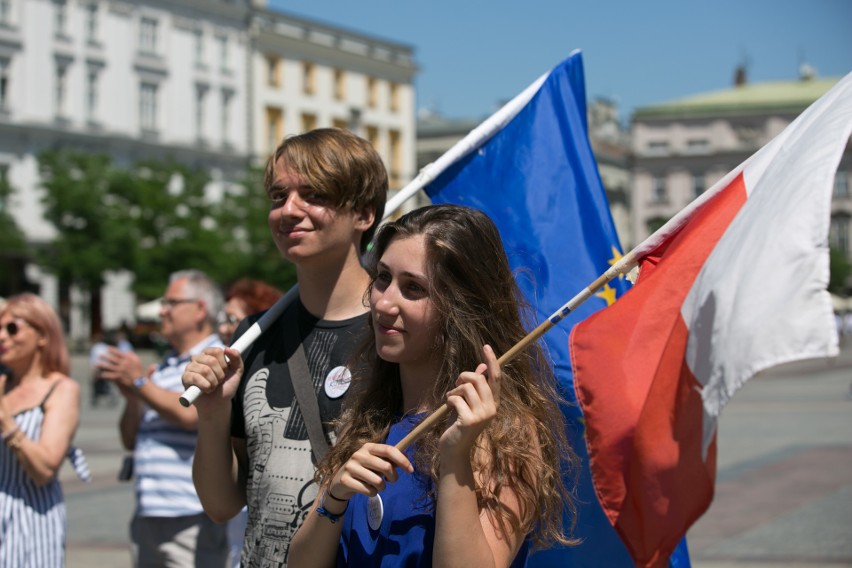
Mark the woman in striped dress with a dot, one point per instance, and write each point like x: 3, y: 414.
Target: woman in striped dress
x: 39, y: 413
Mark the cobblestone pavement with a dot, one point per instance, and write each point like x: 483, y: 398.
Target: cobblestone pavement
x: 784, y: 482
x: 783, y: 491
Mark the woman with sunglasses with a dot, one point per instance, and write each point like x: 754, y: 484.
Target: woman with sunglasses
x: 39, y: 414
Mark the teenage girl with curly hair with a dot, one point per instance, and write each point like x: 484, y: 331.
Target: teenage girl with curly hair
x: 482, y: 486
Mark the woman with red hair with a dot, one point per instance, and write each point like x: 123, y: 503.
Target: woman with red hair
x: 244, y: 297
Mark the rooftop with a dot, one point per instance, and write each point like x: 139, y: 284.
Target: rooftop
x: 776, y: 96
x: 430, y: 125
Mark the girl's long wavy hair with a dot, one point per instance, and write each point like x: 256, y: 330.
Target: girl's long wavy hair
x: 477, y: 301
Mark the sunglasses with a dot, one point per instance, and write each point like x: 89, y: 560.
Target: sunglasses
x: 13, y: 327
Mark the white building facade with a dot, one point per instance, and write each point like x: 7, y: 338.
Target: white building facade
x: 186, y: 80
x: 683, y: 147
x: 134, y: 80
x: 307, y: 75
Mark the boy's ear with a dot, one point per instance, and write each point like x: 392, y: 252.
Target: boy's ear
x: 365, y: 218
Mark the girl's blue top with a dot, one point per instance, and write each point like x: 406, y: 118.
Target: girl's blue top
x: 406, y: 535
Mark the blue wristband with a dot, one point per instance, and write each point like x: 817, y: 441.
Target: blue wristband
x: 322, y: 512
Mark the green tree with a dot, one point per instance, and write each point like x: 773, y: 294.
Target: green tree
x: 171, y: 222
x: 249, y: 248
x: 89, y: 240
x: 152, y: 219
x: 169, y: 216
x: 841, y: 270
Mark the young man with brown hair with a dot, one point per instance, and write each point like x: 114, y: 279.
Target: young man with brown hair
x: 327, y: 191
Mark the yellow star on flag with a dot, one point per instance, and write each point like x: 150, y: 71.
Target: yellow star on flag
x: 616, y: 256
x: 608, y: 294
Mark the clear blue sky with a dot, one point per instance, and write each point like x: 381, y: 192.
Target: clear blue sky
x: 474, y: 54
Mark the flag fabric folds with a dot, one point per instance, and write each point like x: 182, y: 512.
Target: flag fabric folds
x: 538, y: 180
x: 734, y: 284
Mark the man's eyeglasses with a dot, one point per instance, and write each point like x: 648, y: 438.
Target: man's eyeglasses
x: 172, y: 302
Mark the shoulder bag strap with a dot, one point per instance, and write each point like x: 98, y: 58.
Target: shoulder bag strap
x: 303, y: 386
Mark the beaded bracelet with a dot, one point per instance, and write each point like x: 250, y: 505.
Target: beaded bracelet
x: 323, y: 512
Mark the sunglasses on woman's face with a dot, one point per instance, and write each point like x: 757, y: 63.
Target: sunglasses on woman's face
x: 12, y: 328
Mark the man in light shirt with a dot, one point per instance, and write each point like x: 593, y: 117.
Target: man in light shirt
x: 169, y: 526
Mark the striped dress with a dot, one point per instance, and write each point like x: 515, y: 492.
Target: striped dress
x: 32, y: 518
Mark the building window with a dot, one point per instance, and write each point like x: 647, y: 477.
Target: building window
x: 654, y: 223
x: 4, y: 84
x: 308, y: 78
x: 60, y: 16
x: 698, y: 146
x: 148, y: 35
x: 839, y: 233
x: 199, y: 47
x: 200, y: 98
x: 659, y: 194
x: 61, y: 88
x: 5, y: 190
x: 394, y: 97
x: 373, y: 136
x: 92, y: 95
x: 339, y: 84
x: 274, y: 123
x: 841, y: 184
x: 226, y: 115
x: 372, y: 92
x: 309, y: 121
x: 5, y: 12
x: 92, y: 22
x: 340, y: 123
x: 698, y: 184
x: 395, y: 140
x: 148, y: 106
x: 273, y: 71
x: 658, y: 148
x: 224, y: 52
x: 748, y: 135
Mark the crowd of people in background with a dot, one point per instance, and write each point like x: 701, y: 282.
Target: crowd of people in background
x: 40, y: 406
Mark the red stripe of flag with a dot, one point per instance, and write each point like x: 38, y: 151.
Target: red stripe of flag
x: 646, y: 454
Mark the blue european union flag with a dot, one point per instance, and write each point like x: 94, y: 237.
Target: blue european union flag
x: 538, y: 180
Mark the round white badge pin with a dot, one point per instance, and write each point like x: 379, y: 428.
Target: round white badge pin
x: 337, y: 382
x: 375, y: 512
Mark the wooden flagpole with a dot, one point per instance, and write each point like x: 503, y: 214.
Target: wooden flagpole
x: 622, y: 266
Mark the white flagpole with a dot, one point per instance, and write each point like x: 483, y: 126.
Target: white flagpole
x: 475, y: 139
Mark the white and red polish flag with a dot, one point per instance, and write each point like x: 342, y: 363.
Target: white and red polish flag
x: 734, y: 284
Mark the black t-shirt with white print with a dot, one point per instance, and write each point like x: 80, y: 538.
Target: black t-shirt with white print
x: 280, y: 488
